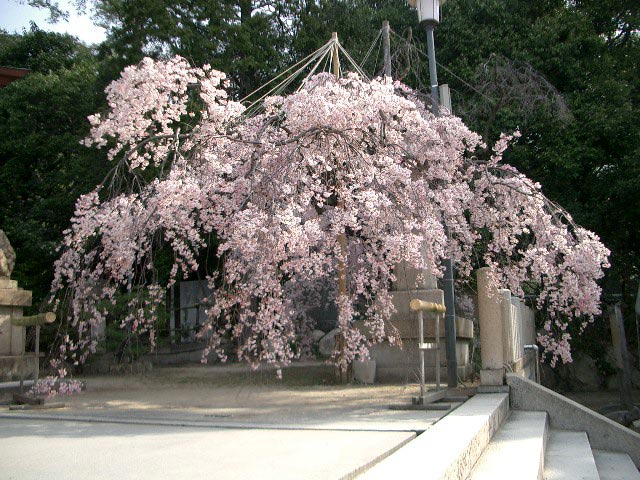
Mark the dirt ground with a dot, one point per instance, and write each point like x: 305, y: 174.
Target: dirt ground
x: 230, y: 389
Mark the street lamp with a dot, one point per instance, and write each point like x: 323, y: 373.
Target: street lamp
x: 428, y: 11
x: 429, y: 16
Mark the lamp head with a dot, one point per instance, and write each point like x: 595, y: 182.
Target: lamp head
x: 428, y: 10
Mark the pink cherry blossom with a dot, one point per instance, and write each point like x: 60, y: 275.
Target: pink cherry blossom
x: 361, y: 158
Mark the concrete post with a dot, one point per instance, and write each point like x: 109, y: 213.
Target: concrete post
x: 491, y: 303
x: 99, y: 333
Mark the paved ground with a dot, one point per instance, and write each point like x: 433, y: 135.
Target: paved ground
x: 210, y: 422
x: 121, y: 451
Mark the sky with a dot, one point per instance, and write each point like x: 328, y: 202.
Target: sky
x: 15, y: 16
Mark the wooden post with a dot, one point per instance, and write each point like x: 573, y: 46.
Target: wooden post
x: 342, y: 238
x: 386, y: 48
x: 335, y: 58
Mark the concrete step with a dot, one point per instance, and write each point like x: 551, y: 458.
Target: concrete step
x: 451, y: 447
x: 569, y: 457
x: 516, y: 450
x: 615, y: 466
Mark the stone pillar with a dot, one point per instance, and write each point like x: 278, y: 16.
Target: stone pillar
x: 12, y: 302
x: 492, y: 304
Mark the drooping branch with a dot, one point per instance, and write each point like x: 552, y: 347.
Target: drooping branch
x: 341, y: 156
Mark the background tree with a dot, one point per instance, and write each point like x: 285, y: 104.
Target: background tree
x: 43, y: 167
x: 588, y: 51
x: 249, y: 38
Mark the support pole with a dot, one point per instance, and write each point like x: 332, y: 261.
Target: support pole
x: 342, y: 238
x: 386, y: 48
x: 420, y: 306
x: 335, y: 58
x: 172, y: 314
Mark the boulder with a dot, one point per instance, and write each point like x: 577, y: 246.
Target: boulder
x: 586, y: 372
x: 328, y: 342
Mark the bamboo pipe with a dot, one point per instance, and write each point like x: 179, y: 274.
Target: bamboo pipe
x: 422, y: 306
x: 33, y: 320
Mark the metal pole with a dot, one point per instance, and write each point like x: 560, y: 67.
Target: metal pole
x: 450, y: 323
x: 37, y: 354
x: 449, y: 292
x: 433, y: 73
x: 386, y: 48
x: 421, y: 335
x: 437, y: 351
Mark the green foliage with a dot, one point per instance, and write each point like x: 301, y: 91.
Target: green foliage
x: 243, y: 38
x: 41, y: 51
x: 43, y: 168
x: 128, y: 345
x: 589, y: 161
x: 588, y: 50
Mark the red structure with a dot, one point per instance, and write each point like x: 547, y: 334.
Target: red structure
x: 10, y: 74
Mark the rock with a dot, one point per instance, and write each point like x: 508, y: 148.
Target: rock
x: 316, y: 335
x: 585, y: 371
x: 7, y: 256
x: 328, y: 342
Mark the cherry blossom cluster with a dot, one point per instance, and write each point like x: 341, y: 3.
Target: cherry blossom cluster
x: 49, y: 387
x: 348, y: 158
